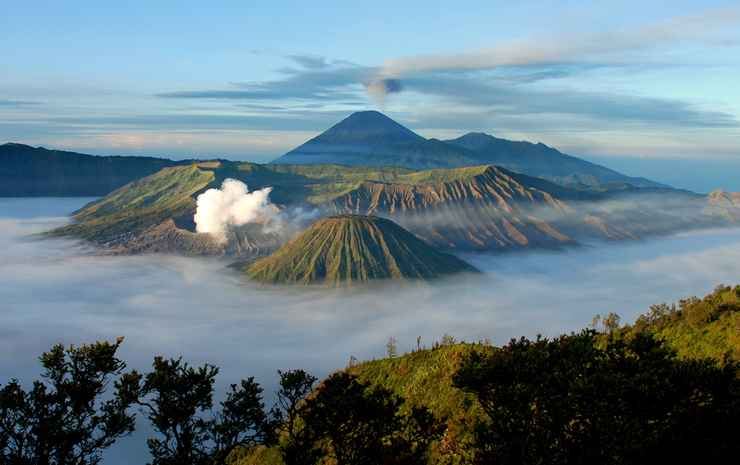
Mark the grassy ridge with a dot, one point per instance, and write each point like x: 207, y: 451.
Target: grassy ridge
x: 353, y: 248
x: 135, y: 207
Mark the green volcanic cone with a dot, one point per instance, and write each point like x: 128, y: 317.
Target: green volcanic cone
x: 352, y: 248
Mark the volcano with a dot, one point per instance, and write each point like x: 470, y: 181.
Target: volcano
x: 348, y: 249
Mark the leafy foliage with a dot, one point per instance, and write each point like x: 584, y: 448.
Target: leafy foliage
x: 178, y: 398
x: 355, y: 424
x: 696, y: 328
x: 63, y: 420
x: 424, y: 379
x: 568, y: 400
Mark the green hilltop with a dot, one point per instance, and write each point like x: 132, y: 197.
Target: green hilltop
x: 695, y: 328
x: 352, y: 248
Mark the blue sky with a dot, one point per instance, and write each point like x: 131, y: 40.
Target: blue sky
x: 250, y: 80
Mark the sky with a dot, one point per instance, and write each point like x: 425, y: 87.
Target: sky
x: 622, y: 80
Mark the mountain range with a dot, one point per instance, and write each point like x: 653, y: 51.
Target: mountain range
x: 371, y: 138
x: 474, y: 208
x: 483, y: 208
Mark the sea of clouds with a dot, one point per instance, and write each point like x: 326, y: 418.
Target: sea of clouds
x: 61, y: 291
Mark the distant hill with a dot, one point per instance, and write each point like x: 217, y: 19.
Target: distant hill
x: 545, y: 162
x: 370, y: 138
x: 155, y: 213
x: 37, y: 172
x: 350, y: 249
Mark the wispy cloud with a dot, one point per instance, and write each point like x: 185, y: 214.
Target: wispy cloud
x: 17, y: 103
x: 326, y: 84
x: 310, y: 61
x: 572, y: 48
x: 500, y: 98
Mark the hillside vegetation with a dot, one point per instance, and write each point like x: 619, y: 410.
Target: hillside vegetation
x: 696, y: 327
x: 424, y: 379
x: 138, y: 206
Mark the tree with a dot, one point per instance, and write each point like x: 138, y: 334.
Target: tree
x: 297, y: 444
x: 242, y: 421
x: 573, y: 400
x: 62, y: 419
x: 391, y: 347
x: 353, y: 424
x: 178, y: 398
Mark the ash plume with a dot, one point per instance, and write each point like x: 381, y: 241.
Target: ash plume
x: 378, y: 89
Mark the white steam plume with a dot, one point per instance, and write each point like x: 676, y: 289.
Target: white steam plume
x: 233, y: 205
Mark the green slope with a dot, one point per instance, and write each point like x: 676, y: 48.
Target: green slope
x: 353, y: 248
x: 422, y: 378
x: 696, y: 328
x: 167, y: 194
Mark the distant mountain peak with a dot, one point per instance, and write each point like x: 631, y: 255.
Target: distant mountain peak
x: 15, y: 144
x: 368, y: 126
x: 474, y: 140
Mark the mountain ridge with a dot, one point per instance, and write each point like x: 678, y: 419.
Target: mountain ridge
x: 543, y: 161
x: 474, y: 208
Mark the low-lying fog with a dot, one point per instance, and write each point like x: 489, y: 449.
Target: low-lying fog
x: 57, y: 291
